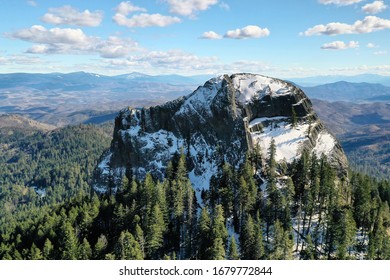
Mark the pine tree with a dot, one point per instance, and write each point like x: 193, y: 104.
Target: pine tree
x: 225, y: 189
x: 233, y: 252
x: 248, y: 239
x: 218, y: 249
x: 47, y: 249
x: 69, y: 242
x: 100, y: 247
x: 218, y: 225
x: 85, y: 251
x: 294, y: 118
x: 155, y: 233
x: 204, y: 236
x: 35, y: 253
x: 127, y: 248
x: 309, y: 252
x: 346, y: 234
x: 281, y: 243
x: 140, y: 238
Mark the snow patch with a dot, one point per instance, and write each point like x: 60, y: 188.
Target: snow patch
x: 325, y: 144
x: 288, y: 139
x: 103, y: 165
x: 252, y: 86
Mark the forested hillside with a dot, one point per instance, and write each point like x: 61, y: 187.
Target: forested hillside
x: 318, y: 215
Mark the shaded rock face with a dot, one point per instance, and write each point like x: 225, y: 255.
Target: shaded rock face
x: 225, y: 117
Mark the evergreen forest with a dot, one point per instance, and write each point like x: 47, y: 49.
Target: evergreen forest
x: 304, y: 210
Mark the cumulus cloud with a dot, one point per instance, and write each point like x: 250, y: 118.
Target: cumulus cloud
x: 140, y: 20
x: 189, y: 7
x: 73, y: 41
x: 68, y: 15
x: 340, y: 45
x: 371, y: 45
x: 250, y: 31
x: 172, y: 60
x: 367, y: 25
x: 39, y: 34
x: 340, y: 2
x: 126, y: 8
x: 115, y: 47
x: 210, y: 35
x: 375, y: 7
x: 145, y: 20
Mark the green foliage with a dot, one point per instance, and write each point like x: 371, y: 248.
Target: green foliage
x: 333, y: 217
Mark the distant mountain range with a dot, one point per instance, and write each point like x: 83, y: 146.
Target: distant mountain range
x: 320, y: 80
x: 62, y: 99
x: 352, y: 92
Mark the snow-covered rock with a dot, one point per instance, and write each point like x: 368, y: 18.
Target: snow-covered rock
x: 224, y: 118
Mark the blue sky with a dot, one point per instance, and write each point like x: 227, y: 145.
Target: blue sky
x: 281, y: 38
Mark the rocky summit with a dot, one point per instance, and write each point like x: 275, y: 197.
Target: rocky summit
x: 227, y: 116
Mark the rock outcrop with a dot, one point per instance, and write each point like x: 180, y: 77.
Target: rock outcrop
x: 228, y: 116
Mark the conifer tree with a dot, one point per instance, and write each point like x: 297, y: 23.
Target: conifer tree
x: 69, y: 242
x: 35, y: 253
x: 218, y: 225
x: 218, y: 249
x: 233, y: 252
x: 248, y: 239
x: 155, y: 233
x: 47, y: 249
x: 100, y: 247
x: 204, y: 236
x: 140, y: 238
x: 294, y: 118
x: 127, y: 248
x: 258, y: 246
x: 85, y: 251
x: 281, y: 243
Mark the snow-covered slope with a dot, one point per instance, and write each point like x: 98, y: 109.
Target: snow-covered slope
x: 224, y: 118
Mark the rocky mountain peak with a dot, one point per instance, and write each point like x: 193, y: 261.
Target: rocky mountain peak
x: 227, y: 116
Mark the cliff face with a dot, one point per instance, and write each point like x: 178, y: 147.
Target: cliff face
x: 228, y: 116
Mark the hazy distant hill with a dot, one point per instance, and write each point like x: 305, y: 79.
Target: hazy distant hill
x: 364, y: 132
x: 62, y: 99
x: 346, y: 91
x: 364, y: 78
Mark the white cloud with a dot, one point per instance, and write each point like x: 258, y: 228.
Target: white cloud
x: 374, y: 69
x: 380, y: 53
x: 211, y: 35
x: 39, y: 34
x: 140, y: 20
x: 224, y: 6
x: 168, y: 61
x: 32, y: 3
x: 73, y: 41
x: 189, y: 7
x: 375, y: 7
x: 126, y: 8
x: 115, y: 47
x: 68, y: 15
x: 340, y: 45
x: 371, y: 45
x: 340, y: 2
x: 367, y: 25
x: 39, y: 49
x: 20, y: 60
x: 145, y: 20
x: 250, y: 31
